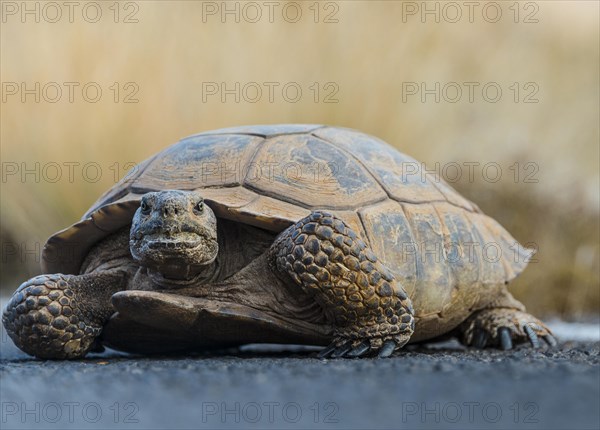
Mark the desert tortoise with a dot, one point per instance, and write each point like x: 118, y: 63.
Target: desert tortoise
x: 275, y: 234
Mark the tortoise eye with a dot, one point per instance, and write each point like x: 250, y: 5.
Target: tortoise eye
x: 199, y: 207
x: 144, y: 207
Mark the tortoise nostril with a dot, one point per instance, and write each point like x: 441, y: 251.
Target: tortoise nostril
x: 171, y: 211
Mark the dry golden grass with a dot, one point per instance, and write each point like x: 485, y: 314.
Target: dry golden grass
x: 368, y: 54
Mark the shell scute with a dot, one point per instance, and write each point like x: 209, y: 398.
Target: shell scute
x: 404, y: 178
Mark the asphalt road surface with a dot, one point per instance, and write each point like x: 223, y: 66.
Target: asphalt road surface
x: 432, y: 386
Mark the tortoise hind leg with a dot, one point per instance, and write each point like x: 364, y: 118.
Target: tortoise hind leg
x: 368, y: 308
x: 60, y: 316
x: 502, y: 327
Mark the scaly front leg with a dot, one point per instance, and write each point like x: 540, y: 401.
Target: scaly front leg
x: 367, y: 306
x: 60, y: 316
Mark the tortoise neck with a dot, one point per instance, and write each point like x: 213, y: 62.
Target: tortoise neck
x: 181, y: 276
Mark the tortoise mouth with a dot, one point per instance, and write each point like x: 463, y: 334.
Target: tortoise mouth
x: 180, y: 241
x: 182, y: 249
x: 177, y: 241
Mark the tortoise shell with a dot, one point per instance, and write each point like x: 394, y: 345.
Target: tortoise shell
x: 271, y: 176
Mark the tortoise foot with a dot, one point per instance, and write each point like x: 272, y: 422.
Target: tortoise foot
x: 44, y: 319
x: 503, y: 328
x: 61, y: 316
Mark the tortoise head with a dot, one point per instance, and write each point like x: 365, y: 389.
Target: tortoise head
x: 174, y: 232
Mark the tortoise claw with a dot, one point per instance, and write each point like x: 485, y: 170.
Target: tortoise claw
x: 550, y: 340
x: 533, y: 337
x: 359, y: 350
x: 480, y: 339
x: 342, y: 350
x: 326, y: 352
x: 387, y: 349
x: 505, y: 338
x: 335, y: 350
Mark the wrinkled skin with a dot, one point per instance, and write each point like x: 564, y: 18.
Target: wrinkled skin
x: 175, y: 234
x: 189, y: 274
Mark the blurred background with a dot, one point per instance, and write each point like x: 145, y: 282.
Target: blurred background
x: 391, y: 69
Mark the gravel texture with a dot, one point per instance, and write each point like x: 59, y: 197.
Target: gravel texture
x: 430, y: 386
